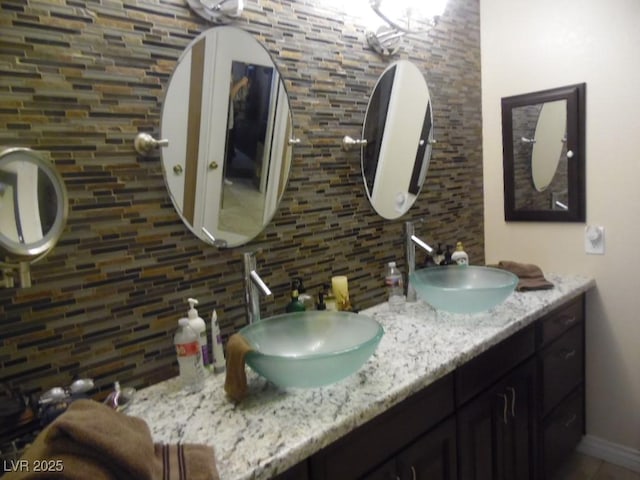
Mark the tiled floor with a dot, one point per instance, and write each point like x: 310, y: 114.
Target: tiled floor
x: 582, y: 467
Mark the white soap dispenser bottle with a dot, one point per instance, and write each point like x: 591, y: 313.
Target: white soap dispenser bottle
x: 460, y: 256
x: 200, y: 328
x: 189, y: 357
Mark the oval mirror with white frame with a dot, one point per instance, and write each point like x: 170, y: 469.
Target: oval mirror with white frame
x: 227, y: 118
x: 398, y: 130
x: 33, y: 210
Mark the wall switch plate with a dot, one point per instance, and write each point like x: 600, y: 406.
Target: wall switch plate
x: 594, y: 240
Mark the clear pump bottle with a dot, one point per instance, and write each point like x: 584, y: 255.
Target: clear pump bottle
x: 395, y: 288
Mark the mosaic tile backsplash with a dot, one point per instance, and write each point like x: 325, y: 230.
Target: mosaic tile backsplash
x: 80, y: 78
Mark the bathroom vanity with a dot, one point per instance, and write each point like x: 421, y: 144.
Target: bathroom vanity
x: 486, y: 396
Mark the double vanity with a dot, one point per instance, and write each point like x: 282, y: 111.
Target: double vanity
x: 494, y: 395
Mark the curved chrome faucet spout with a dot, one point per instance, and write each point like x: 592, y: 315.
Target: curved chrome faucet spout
x: 253, y: 286
x: 411, y: 240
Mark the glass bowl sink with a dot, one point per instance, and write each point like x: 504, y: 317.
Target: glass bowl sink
x: 463, y: 289
x: 311, y: 349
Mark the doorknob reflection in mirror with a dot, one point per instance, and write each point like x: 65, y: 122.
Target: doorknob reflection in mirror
x: 349, y: 143
x: 145, y: 143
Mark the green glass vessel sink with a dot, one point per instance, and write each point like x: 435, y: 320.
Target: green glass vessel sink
x: 463, y: 289
x: 311, y: 349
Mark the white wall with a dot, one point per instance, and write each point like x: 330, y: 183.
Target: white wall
x: 530, y: 46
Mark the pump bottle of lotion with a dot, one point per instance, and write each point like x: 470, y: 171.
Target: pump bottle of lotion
x: 200, y: 328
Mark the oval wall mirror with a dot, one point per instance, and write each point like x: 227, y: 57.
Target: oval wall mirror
x: 550, y: 139
x: 226, y: 115
x: 398, y: 130
x: 33, y: 205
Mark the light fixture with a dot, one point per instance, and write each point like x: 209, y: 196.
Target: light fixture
x: 217, y: 11
x: 402, y: 17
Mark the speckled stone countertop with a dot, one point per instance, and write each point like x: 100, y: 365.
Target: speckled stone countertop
x: 273, y: 429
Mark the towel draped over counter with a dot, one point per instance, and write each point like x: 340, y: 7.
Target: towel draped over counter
x: 91, y: 441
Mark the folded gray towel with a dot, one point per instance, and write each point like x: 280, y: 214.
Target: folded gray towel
x: 530, y: 276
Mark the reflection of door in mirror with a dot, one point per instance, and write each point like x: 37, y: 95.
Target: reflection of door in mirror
x: 539, y: 155
x: 225, y: 164
x: 247, y: 153
x: 399, y: 129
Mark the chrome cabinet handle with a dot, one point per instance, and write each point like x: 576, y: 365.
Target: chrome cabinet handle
x: 569, y: 354
x: 504, y: 409
x: 567, y: 320
x: 573, y: 418
x: 413, y: 473
x: 513, y: 401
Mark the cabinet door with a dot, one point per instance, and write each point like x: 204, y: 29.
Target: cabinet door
x: 386, y: 471
x: 297, y: 472
x: 518, y: 432
x: 496, y: 430
x: 432, y: 457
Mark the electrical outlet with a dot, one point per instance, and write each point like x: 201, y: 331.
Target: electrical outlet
x: 594, y: 240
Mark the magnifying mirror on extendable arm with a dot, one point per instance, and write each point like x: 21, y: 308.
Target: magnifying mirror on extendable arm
x: 33, y: 212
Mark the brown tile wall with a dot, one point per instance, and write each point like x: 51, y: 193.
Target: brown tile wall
x: 79, y: 79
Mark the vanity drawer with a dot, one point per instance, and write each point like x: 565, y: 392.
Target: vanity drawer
x: 559, y: 321
x: 382, y: 437
x: 479, y: 373
x: 561, y: 433
x: 561, y: 367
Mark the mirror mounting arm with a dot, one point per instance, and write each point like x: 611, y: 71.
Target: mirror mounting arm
x: 8, y: 279
x: 144, y: 143
x: 349, y: 143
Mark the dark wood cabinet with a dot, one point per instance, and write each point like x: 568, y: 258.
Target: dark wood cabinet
x: 384, y: 437
x: 431, y: 457
x: 561, y: 406
x: 513, y: 412
x: 496, y: 430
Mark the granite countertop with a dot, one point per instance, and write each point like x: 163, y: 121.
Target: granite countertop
x: 274, y: 429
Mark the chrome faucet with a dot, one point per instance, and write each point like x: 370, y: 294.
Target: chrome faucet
x: 253, y: 286
x: 411, y: 240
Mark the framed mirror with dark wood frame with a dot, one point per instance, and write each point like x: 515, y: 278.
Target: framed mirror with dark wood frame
x: 543, y: 142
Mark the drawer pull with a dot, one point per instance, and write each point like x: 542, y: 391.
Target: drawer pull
x: 567, y: 320
x: 513, y: 401
x: 573, y: 418
x: 413, y: 473
x: 504, y: 408
x: 569, y: 354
